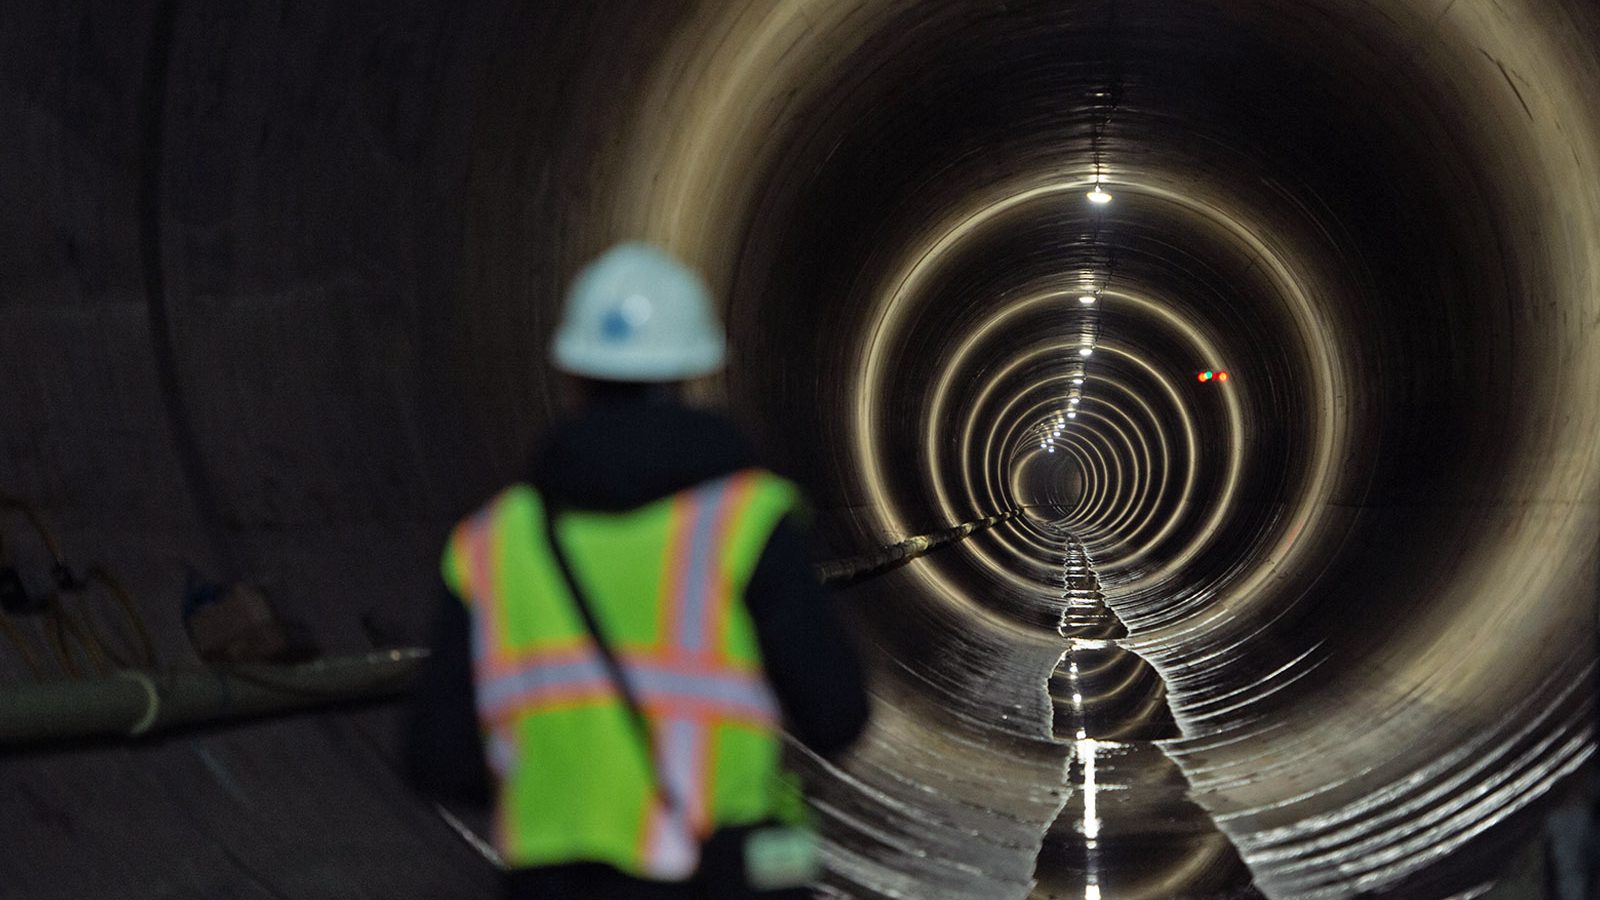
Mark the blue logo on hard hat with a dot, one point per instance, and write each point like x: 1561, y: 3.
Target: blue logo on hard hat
x: 621, y: 321
x: 615, y: 327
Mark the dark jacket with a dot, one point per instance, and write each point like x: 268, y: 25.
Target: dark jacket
x: 616, y: 455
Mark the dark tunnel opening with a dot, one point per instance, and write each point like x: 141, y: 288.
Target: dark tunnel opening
x: 1360, y: 572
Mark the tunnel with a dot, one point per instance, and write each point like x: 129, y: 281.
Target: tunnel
x: 1264, y: 334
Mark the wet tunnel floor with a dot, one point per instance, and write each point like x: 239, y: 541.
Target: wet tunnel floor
x: 1129, y: 829
x: 1010, y: 761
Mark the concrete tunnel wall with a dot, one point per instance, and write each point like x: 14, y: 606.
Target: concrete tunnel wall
x: 1366, y: 565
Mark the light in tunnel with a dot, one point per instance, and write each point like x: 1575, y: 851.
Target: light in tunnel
x: 1073, y: 414
x: 1098, y: 196
x: 1077, y: 381
x: 1073, y: 400
x: 1086, y: 299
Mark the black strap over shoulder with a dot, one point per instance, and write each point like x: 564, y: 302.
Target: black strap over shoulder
x: 618, y: 675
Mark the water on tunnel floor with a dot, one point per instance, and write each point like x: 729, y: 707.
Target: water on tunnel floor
x: 1129, y: 828
x: 1010, y: 761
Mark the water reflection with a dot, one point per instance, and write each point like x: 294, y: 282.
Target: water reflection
x: 1128, y: 828
x: 1012, y: 760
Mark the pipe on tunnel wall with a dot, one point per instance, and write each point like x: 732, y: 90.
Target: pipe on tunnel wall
x: 138, y: 702
x: 135, y: 703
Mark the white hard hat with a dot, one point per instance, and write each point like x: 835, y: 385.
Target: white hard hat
x: 637, y: 314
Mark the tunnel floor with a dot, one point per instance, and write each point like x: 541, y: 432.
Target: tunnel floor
x: 1015, y: 761
x: 1129, y: 828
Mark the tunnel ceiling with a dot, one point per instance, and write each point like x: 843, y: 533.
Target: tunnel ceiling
x: 1365, y: 564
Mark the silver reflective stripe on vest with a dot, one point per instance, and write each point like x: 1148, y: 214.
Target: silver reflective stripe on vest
x: 697, y: 580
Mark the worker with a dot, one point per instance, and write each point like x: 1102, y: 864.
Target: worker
x: 646, y: 564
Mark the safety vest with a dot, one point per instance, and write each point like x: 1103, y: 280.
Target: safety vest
x: 666, y: 582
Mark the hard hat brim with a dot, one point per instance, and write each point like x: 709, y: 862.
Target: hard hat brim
x: 577, y: 356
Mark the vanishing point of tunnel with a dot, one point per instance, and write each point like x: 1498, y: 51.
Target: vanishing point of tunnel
x: 1259, y: 338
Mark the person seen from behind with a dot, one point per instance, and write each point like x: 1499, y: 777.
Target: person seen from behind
x: 623, y: 633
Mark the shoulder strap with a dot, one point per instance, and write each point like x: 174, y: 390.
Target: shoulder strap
x: 619, y: 677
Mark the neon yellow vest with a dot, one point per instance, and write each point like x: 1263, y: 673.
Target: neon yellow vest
x: 666, y: 582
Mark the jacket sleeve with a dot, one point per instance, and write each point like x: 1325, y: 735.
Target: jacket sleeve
x: 444, y: 756
x: 809, y: 658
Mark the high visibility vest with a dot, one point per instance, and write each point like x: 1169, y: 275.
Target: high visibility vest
x: 666, y: 582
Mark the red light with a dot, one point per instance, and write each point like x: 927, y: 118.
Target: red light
x: 1222, y: 376
x: 1201, y: 376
